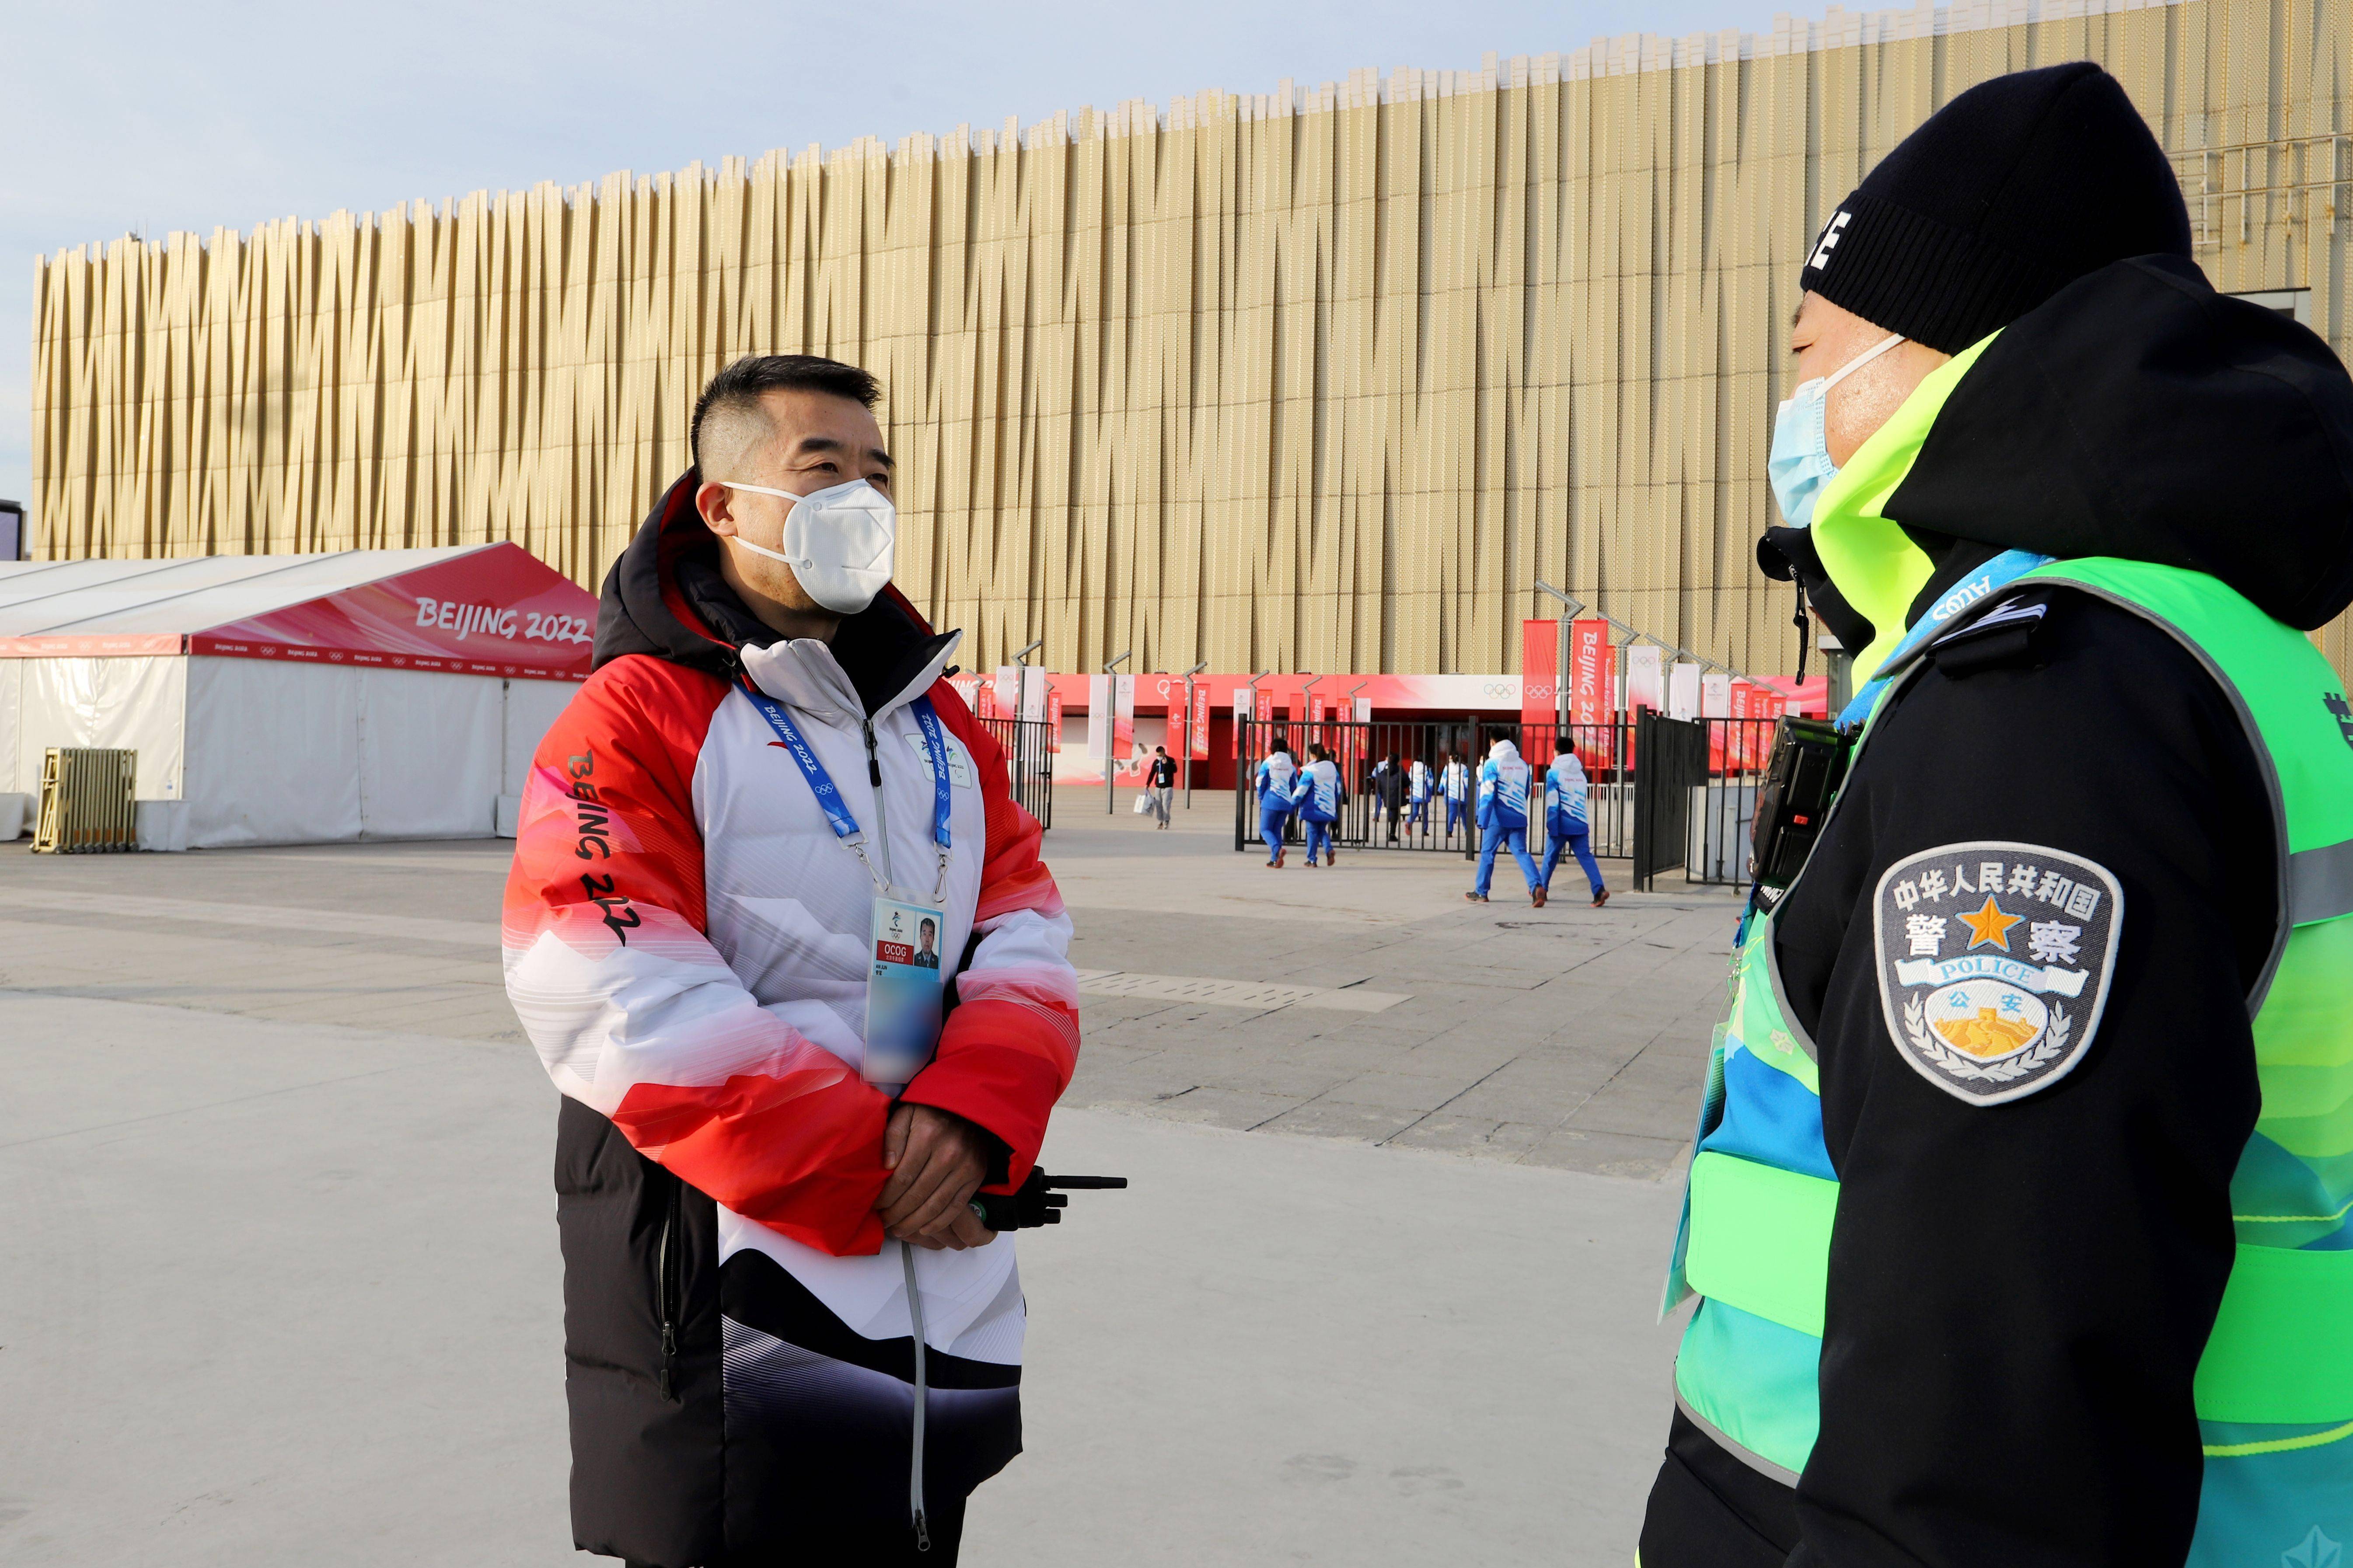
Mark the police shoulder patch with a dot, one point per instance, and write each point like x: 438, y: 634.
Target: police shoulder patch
x: 1994, y: 961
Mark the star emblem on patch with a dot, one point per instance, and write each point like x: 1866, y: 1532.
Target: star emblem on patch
x: 1994, y: 961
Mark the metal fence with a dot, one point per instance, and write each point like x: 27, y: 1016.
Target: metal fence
x: 1724, y: 805
x: 1376, y: 761
x: 1028, y: 748
x: 1674, y: 768
x: 1608, y: 753
x: 1673, y: 795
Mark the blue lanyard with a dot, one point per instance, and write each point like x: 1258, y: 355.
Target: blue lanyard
x: 829, y: 796
x: 2001, y: 569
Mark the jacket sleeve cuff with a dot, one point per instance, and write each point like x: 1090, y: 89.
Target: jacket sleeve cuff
x: 1004, y: 1087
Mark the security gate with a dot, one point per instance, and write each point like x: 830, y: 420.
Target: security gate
x: 1376, y: 762
x: 1671, y: 794
x: 1695, y: 795
x: 1674, y: 766
x: 1028, y: 748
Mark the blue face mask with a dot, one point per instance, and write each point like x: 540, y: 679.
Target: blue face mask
x: 1800, y: 464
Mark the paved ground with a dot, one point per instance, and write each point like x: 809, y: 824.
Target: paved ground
x: 1566, y: 1036
x: 278, y: 1276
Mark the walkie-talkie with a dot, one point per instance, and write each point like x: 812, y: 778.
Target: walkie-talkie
x: 1039, y: 1200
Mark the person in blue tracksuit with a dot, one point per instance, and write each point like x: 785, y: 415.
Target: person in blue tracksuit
x: 1454, y: 782
x: 1567, y: 823
x: 1417, y: 781
x: 1317, y: 793
x: 1274, y: 777
x: 1504, y: 820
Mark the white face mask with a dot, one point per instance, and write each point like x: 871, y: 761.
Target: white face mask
x: 837, y: 541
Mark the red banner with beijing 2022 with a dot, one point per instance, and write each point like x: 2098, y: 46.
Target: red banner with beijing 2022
x: 1592, y: 689
x: 492, y: 611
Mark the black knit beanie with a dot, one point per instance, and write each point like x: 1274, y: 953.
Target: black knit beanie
x: 2001, y: 198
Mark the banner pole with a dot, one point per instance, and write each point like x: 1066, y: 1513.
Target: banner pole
x: 1111, y: 734
x: 1188, y: 732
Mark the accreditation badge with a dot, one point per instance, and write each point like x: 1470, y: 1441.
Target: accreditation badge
x: 902, y: 992
x: 1994, y: 961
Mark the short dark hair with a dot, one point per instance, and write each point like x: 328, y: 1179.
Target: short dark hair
x: 741, y: 385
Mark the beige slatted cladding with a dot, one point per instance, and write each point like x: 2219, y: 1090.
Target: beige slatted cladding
x: 1318, y: 380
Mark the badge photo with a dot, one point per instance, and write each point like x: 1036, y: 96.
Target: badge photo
x: 1994, y: 961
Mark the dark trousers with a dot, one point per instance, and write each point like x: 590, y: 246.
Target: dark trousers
x: 1708, y: 1509
x: 890, y: 1549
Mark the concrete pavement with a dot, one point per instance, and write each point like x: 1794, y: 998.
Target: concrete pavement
x: 278, y: 1276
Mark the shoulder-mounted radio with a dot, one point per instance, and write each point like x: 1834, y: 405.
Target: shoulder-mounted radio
x: 1809, y: 764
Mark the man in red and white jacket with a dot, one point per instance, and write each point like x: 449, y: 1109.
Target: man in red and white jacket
x: 687, y: 938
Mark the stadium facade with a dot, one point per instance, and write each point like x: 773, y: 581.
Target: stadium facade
x: 1317, y: 379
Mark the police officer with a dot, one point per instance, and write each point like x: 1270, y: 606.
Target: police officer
x: 2022, y: 1210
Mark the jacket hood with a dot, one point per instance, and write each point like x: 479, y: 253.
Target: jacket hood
x: 1503, y: 749
x: 2137, y: 414
x: 665, y: 597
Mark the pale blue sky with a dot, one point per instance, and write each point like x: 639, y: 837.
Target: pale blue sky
x: 153, y: 117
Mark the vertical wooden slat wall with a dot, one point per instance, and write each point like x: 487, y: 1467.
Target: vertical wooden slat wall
x: 1320, y: 379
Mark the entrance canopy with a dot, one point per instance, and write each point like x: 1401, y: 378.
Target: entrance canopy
x: 469, y: 609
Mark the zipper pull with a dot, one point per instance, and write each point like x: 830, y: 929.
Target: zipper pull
x: 873, y: 763
x: 670, y: 1354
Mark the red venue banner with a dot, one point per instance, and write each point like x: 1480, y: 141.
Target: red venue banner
x: 1765, y: 707
x: 1265, y: 710
x: 1540, y: 671
x: 1592, y: 688
x: 496, y: 611
x: 1054, y: 716
x: 1197, y: 740
x: 1715, y: 702
x: 1737, y: 754
x: 983, y: 700
x: 1808, y: 699
x: 1123, y: 728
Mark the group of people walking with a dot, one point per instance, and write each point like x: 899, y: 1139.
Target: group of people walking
x: 1504, y: 780
x: 1311, y: 794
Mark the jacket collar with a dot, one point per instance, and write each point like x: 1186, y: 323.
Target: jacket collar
x: 804, y: 673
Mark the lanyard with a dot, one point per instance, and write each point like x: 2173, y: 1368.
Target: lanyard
x: 828, y: 797
x: 2003, y: 568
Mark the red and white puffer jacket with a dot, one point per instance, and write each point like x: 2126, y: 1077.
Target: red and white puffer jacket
x: 686, y: 947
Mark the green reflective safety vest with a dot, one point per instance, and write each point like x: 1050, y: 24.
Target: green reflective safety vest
x: 2274, y: 1389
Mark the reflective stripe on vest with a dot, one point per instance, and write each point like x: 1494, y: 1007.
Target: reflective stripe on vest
x: 2280, y: 1354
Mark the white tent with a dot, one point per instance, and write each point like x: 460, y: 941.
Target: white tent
x: 292, y: 699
